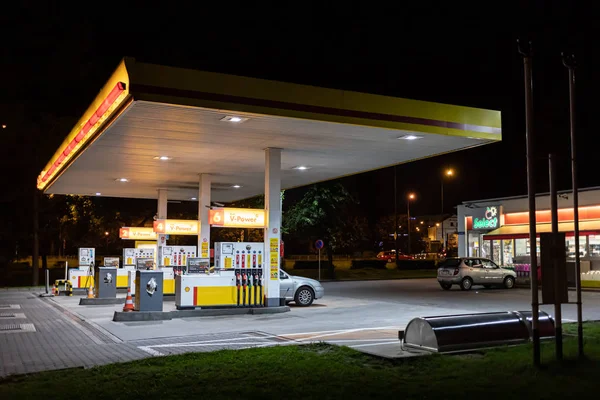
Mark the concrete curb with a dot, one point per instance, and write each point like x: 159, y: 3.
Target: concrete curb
x: 101, y: 302
x: 571, y: 289
x: 370, y: 279
x: 120, y: 316
x: 22, y: 288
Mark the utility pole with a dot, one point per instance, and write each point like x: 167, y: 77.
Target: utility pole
x: 526, y: 52
x: 36, y: 241
x: 558, y: 340
x: 408, y: 199
x: 569, y: 62
x: 395, y: 215
x: 443, y: 239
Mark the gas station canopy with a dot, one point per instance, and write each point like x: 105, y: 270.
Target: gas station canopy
x: 154, y: 127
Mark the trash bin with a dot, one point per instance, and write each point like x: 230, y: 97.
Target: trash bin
x: 105, y: 282
x: 470, y: 331
x: 149, y: 290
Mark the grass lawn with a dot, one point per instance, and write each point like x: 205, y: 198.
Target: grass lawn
x: 366, y: 274
x: 326, y: 372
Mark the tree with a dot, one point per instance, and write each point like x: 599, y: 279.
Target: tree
x: 327, y: 211
x: 385, y: 228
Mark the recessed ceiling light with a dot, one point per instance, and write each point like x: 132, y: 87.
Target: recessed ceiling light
x: 122, y: 180
x: 163, y: 158
x: 234, y: 119
x: 236, y: 186
x: 410, y: 137
x: 301, y: 167
x: 3, y: 126
x: 98, y: 193
x: 194, y: 198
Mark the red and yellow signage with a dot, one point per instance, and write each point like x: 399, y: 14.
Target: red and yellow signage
x: 544, y: 216
x: 237, y: 218
x: 133, y: 233
x: 104, y: 105
x: 176, y: 227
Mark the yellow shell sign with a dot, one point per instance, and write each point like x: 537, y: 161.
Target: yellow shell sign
x: 237, y: 218
x: 135, y: 233
x: 176, y: 227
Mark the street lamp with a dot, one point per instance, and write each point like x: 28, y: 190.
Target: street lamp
x: 411, y: 196
x: 106, y: 236
x: 448, y: 173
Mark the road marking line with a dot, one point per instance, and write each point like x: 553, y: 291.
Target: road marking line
x: 344, y: 332
x: 150, y: 351
x: 357, y: 340
x: 336, y: 332
x: 375, y: 344
x: 215, y: 344
x: 202, y: 342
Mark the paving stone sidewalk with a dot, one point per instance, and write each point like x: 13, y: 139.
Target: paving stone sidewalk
x: 37, y: 335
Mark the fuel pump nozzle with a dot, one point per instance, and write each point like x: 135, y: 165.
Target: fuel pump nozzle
x: 260, y: 287
x: 254, y: 276
x: 250, y: 288
x: 244, y: 286
x: 237, y: 283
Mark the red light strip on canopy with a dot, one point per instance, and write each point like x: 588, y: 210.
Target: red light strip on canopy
x: 83, y: 132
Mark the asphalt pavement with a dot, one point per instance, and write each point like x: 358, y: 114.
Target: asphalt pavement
x: 365, y: 315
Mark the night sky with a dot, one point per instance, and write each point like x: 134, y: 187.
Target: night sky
x: 55, y: 60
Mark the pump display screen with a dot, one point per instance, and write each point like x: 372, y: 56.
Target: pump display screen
x: 227, y: 248
x: 198, y: 265
x: 144, y: 263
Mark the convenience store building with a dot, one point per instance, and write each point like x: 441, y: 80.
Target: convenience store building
x: 499, y: 228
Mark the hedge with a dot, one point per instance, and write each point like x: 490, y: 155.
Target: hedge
x: 417, y: 264
x: 375, y: 264
x: 304, y: 264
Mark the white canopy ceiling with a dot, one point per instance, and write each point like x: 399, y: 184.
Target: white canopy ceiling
x: 198, y: 141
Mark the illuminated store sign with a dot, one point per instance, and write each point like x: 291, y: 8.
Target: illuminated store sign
x: 489, y: 220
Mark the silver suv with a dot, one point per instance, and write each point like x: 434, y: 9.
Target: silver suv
x: 469, y: 271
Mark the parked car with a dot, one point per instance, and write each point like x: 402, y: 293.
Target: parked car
x: 469, y: 271
x: 300, y: 290
x: 390, y: 256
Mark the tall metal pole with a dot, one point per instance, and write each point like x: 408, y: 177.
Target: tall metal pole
x: 525, y: 51
x: 36, y: 241
x: 395, y: 216
x: 408, y: 223
x: 319, y: 265
x: 569, y: 62
x: 443, y: 238
x: 554, y: 212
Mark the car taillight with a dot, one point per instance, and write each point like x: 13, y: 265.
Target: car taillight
x: 455, y: 271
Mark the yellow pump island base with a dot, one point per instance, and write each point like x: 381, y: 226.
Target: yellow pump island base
x: 206, y: 290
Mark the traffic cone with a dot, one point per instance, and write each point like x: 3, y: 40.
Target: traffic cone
x: 128, y: 302
x: 90, y: 293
